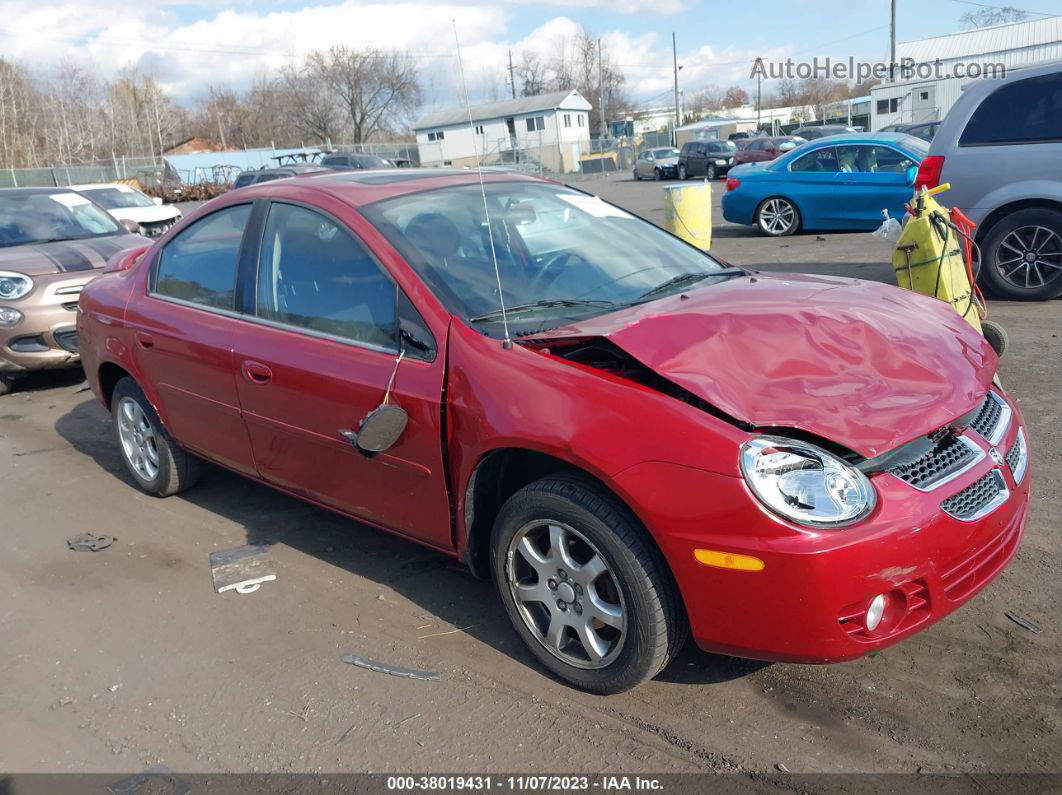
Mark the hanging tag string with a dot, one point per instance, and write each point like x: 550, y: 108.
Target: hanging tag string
x: 394, y: 373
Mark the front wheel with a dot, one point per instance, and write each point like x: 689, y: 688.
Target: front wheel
x: 585, y: 589
x: 1023, y: 256
x: 5, y: 385
x: 777, y: 217
x: 158, y: 466
x: 658, y: 174
x: 682, y: 171
x: 710, y: 173
x: 996, y: 335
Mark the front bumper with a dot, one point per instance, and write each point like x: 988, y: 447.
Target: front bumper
x: 808, y: 602
x: 45, y: 338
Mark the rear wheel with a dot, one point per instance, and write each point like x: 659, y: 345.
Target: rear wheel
x: 636, y: 177
x: 777, y: 217
x: 1023, y: 256
x: 583, y: 586
x: 158, y: 466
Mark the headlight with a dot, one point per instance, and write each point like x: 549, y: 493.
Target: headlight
x: 14, y: 285
x: 720, y: 162
x: 9, y: 317
x: 805, y: 484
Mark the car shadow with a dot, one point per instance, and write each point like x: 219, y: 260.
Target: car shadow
x: 47, y: 379
x: 437, y: 583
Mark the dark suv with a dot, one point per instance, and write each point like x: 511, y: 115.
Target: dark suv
x: 339, y: 160
x: 255, y: 176
x: 709, y: 159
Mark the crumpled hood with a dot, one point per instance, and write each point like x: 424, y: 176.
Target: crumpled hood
x: 865, y: 365
x: 65, y: 255
x: 146, y: 215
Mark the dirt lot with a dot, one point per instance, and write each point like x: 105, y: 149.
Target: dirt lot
x: 124, y: 658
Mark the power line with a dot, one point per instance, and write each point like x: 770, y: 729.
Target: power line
x: 1004, y: 8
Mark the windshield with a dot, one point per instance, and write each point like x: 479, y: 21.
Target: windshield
x: 663, y: 154
x: 118, y: 197
x: 561, y: 254
x: 41, y: 217
x: 371, y: 161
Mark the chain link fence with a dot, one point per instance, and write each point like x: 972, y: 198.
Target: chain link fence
x: 118, y: 169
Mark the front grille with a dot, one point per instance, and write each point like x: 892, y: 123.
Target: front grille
x: 978, y: 499
x: 156, y: 228
x: 949, y: 457
x: 963, y: 577
x: 992, y: 418
x: 1018, y: 457
x: 67, y: 340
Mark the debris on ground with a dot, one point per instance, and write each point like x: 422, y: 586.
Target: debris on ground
x: 393, y: 670
x: 157, y: 780
x: 114, y: 688
x: 1024, y: 623
x: 453, y: 631
x: 89, y: 542
x: 782, y: 768
x: 242, y: 569
x: 82, y: 387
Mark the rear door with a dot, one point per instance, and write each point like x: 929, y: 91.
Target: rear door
x: 315, y: 355
x: 183, y: 327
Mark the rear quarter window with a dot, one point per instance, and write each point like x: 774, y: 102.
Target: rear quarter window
x: 1025, y: 111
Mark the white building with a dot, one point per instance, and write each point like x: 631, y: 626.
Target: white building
x: 552, y: 129
x: 929, y: 97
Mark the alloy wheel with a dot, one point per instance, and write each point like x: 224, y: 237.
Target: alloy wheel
x: 681, y: 171
x: 777, y: 216
x: 566, y: 594
x: 711, y: 172
x: 1030, y: 256
x: 139, y: 445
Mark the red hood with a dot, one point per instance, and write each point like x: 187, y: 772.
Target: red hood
x: 865, y: 365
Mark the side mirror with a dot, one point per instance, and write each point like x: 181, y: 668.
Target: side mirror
x: 130, y: 226
x: 912, y: 175
x: 380, y: 429
x: 157, y: 200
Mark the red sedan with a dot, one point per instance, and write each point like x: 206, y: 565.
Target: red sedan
x: 762, y: 149
x: 647, y: 443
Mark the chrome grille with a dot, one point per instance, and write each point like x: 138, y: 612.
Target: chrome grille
x: 992, y: 419
x: 950, y: 457
x: 1018, y: 457
x: 978, y: 499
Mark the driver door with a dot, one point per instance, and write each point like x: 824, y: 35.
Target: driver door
x: 315, y: 355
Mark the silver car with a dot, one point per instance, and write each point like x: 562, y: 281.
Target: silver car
x: 1000, y: 147
x: 659, y: 163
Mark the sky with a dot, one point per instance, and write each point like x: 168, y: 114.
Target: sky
x: 189, y: 44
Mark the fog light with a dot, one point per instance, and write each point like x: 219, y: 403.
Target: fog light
x: 10, y: 317
x: 875, y: 612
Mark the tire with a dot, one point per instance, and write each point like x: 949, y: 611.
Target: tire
x: 996, y: 335
x: 158, y: 466
x: 636, y: 177
x: 5, y: 385
x: 776, y: 206
x: 633, y: 588
x: 682, y: 171
x: 1006, y: 270
x: 710, y: 173
x: 658, y: 174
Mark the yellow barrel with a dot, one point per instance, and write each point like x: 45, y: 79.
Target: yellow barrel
x: 688, y: 212
x: 928, y: 259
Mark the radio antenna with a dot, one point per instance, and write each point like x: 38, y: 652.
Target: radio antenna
x: 507, y: 343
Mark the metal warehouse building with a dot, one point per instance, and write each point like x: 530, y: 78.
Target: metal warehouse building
x: 927, y: 98
x: 552, y: 129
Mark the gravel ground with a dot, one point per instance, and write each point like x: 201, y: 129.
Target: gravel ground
x: 125, y: 658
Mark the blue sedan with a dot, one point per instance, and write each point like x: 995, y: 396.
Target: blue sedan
x: 840, y: 182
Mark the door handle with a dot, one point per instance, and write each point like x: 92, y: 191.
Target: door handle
x: 256, y: 373
x: 144, y: 340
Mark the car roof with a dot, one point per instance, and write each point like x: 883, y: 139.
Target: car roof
x: 96, y: 185
x: 366, y: 186
x: 29, y: 191
x: 896, y: 138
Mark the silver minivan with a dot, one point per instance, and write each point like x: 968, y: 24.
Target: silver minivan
x: 1000, y: 147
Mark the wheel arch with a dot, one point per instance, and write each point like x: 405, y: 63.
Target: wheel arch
x: 498, y: 475
x: 109, y: 375
x: 1001, y: 212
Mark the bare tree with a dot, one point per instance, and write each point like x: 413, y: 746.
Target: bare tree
x: 377, y: 90
x: 735, y: 97
x: 993, y: 15
x: 312, y: 108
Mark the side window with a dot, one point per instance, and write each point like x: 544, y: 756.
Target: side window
x: 243, y: 180
x: 872, y: 160
x: 314, y: 274
x: 1025, y: 111
x: 199, y: 264
x: 819, y: 160
x: 268, y: 177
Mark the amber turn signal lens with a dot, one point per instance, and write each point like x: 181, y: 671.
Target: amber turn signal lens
x: 727, y: 560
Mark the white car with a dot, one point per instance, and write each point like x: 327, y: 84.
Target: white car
x: 126, y: 203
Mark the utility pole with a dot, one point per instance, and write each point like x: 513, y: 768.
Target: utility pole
x: 512, y: 80
x: 758, y: 81
x: 892, y: 42
x: 601, y: 85
x: 678, y: 111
